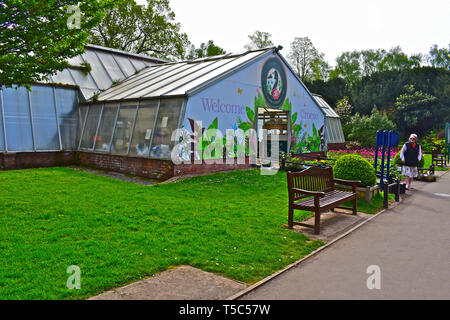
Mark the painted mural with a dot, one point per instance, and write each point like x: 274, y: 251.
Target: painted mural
x: 233, y: 104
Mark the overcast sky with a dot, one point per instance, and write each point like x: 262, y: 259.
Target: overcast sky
x: 334, y: 26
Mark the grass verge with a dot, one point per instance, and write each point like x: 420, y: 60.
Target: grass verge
x: 118, y: 232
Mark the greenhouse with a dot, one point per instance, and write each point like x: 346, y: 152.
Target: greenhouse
x: 118, y: 111
x: 335, y: 135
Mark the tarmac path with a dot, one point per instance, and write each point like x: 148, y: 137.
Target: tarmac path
x: 409, y: 243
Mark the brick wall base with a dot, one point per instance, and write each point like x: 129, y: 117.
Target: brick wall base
x: 27, y: 160
x: 147, y: 168
x: 336, y: 146
x: 185, y: 169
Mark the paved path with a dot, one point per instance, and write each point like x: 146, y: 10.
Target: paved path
x: 410, y: 243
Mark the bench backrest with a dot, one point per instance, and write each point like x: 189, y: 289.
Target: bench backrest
x: 311, y: 179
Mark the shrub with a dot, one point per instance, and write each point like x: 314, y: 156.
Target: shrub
x: 432, y: 141
x: 355, y: 167
x: 398, y: 161
x: 364, y: 128
x: 351, y: 145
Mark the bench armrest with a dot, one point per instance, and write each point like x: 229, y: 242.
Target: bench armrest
x: 348, y: 182
x: 310, y: 193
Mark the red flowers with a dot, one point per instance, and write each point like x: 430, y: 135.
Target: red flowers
x: 368, y: 154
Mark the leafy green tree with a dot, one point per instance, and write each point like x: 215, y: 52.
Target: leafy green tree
x: 414, y: 110
x: 38, y: 37
x: 259, y: 40
x: 150, y: 29
x: 307, y: 61
x: 396, y: 60
x: 353, y: 66
x: 364, y: 128
x: 348, y: 67
x: 208, y: 49
x: 439, y: 57
x: 331, y: 90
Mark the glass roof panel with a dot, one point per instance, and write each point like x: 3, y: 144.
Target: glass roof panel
x: 188, y: 70
x: 126, y: 65
x: 138, y: 64
x: 329, y: 112
x: 236, y: 61
x: 76, y: 61
x: 142, y: 77
x: 188, y: 78
x: 88, y: 93
x: 111, y: 66
x: 63, y: 77
x: 83, y: 80
x: 98, y: 72
x: 158, y: 76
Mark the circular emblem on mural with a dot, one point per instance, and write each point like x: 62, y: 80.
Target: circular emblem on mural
x: 273, y: 82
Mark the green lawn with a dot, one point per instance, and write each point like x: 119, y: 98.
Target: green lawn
x: 118, y: 232
x: 427, y: 164
x: 372, y: 207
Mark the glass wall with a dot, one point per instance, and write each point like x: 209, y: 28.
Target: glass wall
x: 2, y: 141
x: 123, y: 129
x: 66, y: 101
x: 143, y: 129
x: 82, y: 113
x: 49, y: 119
x: 168, y: 116
x: 31, y: 119
x: 17, y: 119
x: 106, y: 128
x: 90, y: 127
x: 133, y: 133
x: 46, y: 134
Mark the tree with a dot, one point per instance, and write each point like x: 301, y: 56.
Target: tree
x: 364, y: 128
x: 148, y: 29
x: 307, y: 62
x: 414, y: 110
x: 344, y: 109
x: 259, y: 40
x: 439, y: 57
x: 353, y: 66
x: 38, y: 37
x: 331, y: 90
x: 208, y: 49
x: 396, y: 60
x: 348, y: 67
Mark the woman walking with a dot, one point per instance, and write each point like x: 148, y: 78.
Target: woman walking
x: 411, y: 154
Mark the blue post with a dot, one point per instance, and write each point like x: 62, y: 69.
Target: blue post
x: 377, y: 144
x: 390, y: 141
x: 385, y: 140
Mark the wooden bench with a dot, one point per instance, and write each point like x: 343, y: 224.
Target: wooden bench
x: 313, y: 190
x: 438, y: 159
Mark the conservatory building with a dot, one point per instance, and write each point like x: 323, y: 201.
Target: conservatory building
x: 118, y: 111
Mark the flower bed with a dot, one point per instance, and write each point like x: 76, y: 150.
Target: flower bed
x: 366, y: 153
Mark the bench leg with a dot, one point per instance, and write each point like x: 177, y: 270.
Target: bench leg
x: 317, y: 222
x: 355, y: 206
x: 332, y: 210
x: 291, y: 217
